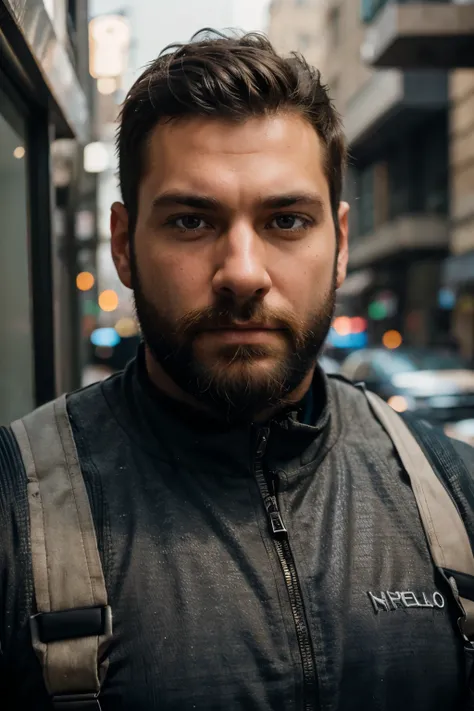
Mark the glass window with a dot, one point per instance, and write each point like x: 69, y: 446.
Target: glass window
x: 402, y: 183
x: 370, y: 8
x: 335, y: 26
x: 366, y: 201
x: 16, y: 338
x: 434, y: 169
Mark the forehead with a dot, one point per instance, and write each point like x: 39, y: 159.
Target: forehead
x: 266, y: 154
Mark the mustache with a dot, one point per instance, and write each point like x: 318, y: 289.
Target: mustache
x: 227, y: 315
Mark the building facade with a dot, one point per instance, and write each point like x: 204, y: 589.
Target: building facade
x: 44, y: 121
x: 297, y: 25
x: 414, y: 36
x: 458, y: 274
x: 398, y: 125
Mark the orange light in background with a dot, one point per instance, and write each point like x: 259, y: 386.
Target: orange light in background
x: 358, y: 324
x: 126, y: 327
x: 108, y: 300
x: 85, y: 281
x: 342, y: 325
x: 398, y: 403
x: 392, y: 340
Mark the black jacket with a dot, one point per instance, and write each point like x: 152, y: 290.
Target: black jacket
x: 215, y: 606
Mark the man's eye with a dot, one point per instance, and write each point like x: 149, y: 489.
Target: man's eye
x: 289, y: 222
x: 190, y: 222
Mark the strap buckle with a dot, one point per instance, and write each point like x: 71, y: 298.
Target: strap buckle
x: 49, y: 627
x: 76, y: 702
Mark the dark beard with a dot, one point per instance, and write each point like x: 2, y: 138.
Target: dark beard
x: 237, y: 399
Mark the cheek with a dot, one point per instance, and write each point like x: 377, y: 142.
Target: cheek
x: 175, y: 282
x: 305, y: 279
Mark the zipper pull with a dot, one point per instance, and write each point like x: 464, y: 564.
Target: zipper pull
x: 274, y: 517
x: 262, y: 442
x: 276, y: 522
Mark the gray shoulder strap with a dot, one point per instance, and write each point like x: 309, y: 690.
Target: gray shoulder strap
x: 73, y: 623
x: 444, y: 528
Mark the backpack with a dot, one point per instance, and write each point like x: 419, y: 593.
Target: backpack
x: 72, y: 625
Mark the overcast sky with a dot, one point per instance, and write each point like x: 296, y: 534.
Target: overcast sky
x: 158, y: 23
x: 250, y: 14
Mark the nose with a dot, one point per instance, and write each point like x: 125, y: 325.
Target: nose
x: 242, y: 273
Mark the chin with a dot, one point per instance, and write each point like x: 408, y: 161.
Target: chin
x: 243, y: 355
x: 245, y: 374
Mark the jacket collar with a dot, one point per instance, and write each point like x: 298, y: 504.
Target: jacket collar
x: 175, y: 431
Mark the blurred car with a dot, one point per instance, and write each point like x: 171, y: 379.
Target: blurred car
x: 463, y: 430
x: 329, y: 365
x: 438, y: 386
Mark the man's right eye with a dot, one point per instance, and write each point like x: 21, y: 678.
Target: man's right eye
x: 189, y: 222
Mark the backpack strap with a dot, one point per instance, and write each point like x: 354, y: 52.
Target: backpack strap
x: 444, y: 528
x: 73, y: 622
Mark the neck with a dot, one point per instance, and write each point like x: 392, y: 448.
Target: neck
x: 167, y: 386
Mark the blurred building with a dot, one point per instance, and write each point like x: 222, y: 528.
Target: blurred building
x: 409, y: 123
x: 44, y: 122
x: 411, y: 36
x: 107, y: 309
x: 298, y: 25
x: 396, y: 123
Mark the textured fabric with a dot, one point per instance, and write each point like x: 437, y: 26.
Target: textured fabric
x: 202, y: 618
x: 66, y: 565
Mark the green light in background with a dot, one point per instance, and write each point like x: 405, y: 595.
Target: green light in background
x: 90, y: 308
x: 377, y: 310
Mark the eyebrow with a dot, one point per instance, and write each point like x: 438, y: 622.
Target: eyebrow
x: 203, y: 202
x: 200, y: 202
x: 280, y: 201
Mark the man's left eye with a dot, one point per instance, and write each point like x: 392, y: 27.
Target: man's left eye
x: 289, y: 222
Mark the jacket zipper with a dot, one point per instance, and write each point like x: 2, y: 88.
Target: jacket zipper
x: 287, y: 562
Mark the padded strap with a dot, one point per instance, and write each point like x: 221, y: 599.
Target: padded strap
x: 447, y: 537
x: 67, y: 570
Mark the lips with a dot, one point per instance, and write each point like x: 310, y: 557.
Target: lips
x: 243, y: 327
x: 241, y: 335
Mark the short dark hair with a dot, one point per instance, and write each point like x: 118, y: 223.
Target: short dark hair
x: 232, y: 77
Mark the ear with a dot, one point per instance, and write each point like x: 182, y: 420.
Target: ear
x: 343, y: 253
x: 120, y: 242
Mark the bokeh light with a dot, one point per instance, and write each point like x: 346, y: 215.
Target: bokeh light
x: 392, y: 340
x: 126, y: 327
x: 398, y: 403
x: 108, y: 300
x: 85, y: 281
x: 342, y: 325
x: 19, y: 152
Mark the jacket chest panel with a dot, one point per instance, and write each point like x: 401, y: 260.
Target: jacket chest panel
x: 193, y: 588
x: 382, y: 621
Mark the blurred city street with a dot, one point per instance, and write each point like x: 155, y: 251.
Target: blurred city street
x: 401, y: 74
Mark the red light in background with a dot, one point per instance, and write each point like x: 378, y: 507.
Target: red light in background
x: 358, y: 324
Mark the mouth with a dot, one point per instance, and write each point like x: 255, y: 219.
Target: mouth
x: 244, y: 327
x: 243, y: 333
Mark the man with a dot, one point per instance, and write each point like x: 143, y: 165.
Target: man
x: 249, y: 512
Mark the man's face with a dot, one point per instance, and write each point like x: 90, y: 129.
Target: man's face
x: 234, y: 263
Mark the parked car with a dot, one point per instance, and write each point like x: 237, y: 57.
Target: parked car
x: 463, y: 430
x: 438, y: 386
x: 329, y: 365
